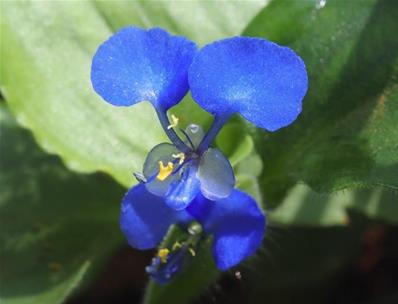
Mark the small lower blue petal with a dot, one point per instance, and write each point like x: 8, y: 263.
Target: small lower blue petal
x: 237, y: 224
x: 145, y: 218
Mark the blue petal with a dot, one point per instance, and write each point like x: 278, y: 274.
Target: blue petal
x: 237, y: 223
x: 182, y: 192
x: 137, y: 65
x: 162, y: 152
x: 145, y: 218
x: 216, y: 175
x: 259, y: 79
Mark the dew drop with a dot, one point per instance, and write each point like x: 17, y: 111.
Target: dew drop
x: 320, y: 4
x: 193, y: 128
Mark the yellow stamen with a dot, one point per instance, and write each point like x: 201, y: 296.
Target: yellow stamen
x: 192, y: 252
x: 181, y: 156
x: 163, y: 254
x: 164, y: 171
x: 174, y: 122
x: 176, y: 246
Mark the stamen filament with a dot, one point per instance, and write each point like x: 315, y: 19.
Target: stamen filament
x: 180, y: 156
x: 177, y: 245
x: 164, y: 121
x: 174, y: 122
x: 188, y: 138
x: 191, y: 251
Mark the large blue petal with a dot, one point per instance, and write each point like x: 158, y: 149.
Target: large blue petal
x: 237, y: 223
x: 136, y: 65
x: 261, y: 80
x: 145, y: 218
x: 182, y: 192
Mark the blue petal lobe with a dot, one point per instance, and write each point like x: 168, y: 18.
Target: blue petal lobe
x: 237, y: 223
x: 137, y: 65
x: 183, y: 191
x: 145, y: 218
x: 259, y: 79
x: 216, y: 175
x: 164, y: 153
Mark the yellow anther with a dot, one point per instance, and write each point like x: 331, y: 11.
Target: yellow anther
x: 174, y: 122
x: 163, y: 254
x: 164, y: 171
x: 192, y: 252
x: 176, y: 246
x: 181, y: 156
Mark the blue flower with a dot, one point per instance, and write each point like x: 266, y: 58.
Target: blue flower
x: 254, y: 77
x: 188, y: 182
x: 236, y: 224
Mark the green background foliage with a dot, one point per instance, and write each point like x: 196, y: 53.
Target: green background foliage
x: 59, y: 216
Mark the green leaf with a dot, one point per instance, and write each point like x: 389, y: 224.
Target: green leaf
x: 201, y: 21
x: 346, y: 134
x: 247, y: 173
x: 304, y: 207
x: 235, y: 142
x: 45, y: 74
x: 249, y: 184
x: 379, y: 203
x: 56, y: 226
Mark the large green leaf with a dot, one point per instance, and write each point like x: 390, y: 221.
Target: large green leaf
x: 346, y: 134
x: 55, y: 225
x: 45, y: 74
x: 304, y: 207
x: 202, y: 21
